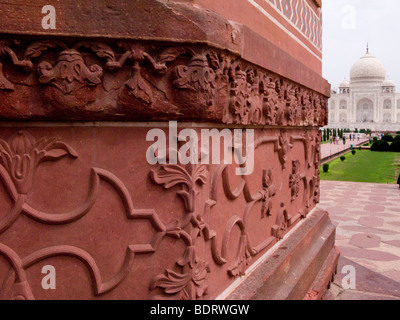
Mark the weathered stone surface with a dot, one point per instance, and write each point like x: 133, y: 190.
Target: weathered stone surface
x: 296, y: 20
x: 372, y: 222
x: 93, y: 80
x: 365, y: 241
x: 301, y: 267
x: 115, y: 72
x: 114, y: 226
x: 82, y: 196
x: 369, y: 284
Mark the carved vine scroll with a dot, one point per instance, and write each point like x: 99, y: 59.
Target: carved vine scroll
x: 92, y: 80
x: 22, y: 153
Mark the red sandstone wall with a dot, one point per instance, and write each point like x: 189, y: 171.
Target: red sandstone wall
x: 115, y: 227
x: 290, y: 29
x: 82, y: 197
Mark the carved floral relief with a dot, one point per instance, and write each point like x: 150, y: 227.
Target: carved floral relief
x: 136, y: 80
x: 22, y: 153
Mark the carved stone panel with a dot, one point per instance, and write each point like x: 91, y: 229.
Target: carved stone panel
x: 86, y: 201
x: 136, y: 80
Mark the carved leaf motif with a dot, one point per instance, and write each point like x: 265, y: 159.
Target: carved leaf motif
x: 68, y: 76
x: 190, y: 285
x: 37, y: 48
x: 101, y: 49
x: 94, y: 75
x: 215, y: 63
x: 171, y: 54
x: 139, y: 88
x: 281, y: 225
x: 268, y: 192
x: 4, y: 147
x: 197, y: 76
x: 173, y: 282
x: 266, y: 208
x: 22, y: 154
x: 189, y: 257
x: 183, y: 80
x: 239, y: 269
x: 200, y: 174
x: 4, y: 83
x: 171, y: 175
x: 294, y: 180
x: 55, y: 150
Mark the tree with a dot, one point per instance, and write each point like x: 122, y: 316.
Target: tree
x: 388, y: 138
x: 380, y: 145
x: 395, y: 146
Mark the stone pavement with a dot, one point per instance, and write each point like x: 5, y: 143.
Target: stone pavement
x: 367, y: 217
x: 328, y: 149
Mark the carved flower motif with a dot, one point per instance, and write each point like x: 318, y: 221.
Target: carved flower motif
x: 172, y: 175
x: 239, y: 102
x: 188, y: 285
x: 196, y: 85
x: 283, y: 148
x: 293, y: 113
x: 197, y: 76
x: 282, y: 223
x: 138, y: 87
x: 5, y: 50
x: 268, y: 192
x: 294, y: 180
x: 22, y: 154
x: 317, y: 179
x: 70, y: 72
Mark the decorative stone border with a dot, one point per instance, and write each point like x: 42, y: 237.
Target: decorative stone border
x: 90, y: 80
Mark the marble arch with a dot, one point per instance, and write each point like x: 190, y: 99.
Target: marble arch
x: 365, y: 110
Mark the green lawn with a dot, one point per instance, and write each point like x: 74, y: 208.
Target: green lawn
x: 364, y: 166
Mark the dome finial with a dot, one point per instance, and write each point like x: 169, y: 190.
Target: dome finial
x: 367, y: 48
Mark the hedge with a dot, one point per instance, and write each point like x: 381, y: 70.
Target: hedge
x: 380, y: 146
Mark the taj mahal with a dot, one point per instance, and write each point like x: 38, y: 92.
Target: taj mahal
x: 368, y: 101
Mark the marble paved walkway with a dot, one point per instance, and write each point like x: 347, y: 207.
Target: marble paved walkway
x: 367, y: 217
x: 328, y: 149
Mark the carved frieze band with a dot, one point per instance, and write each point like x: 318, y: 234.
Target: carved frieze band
x: 96, y: 81
x: 22, y: 153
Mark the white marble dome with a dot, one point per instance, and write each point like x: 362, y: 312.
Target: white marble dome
x: 344, y: 84
x: 388, y: 83
x: 368, y: 101
x: 368, y: 68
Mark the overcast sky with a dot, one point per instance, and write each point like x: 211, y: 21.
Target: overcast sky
x: 347, y: 27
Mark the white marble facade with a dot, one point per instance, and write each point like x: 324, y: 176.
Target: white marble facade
x: 368, y: 101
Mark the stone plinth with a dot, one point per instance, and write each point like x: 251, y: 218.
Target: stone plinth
x: 79, y: 194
